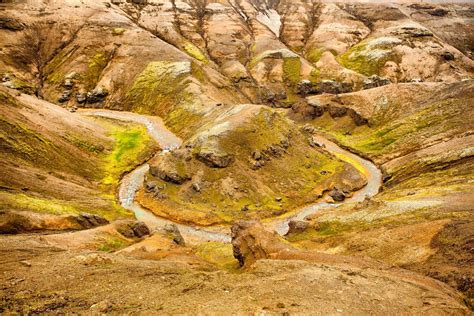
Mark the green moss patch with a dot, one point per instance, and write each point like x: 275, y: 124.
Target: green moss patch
x: 219, y: 254
x: 158, y: 88
x: 95, y: 67
x: 367, y: 59
x: 132, y: 144
x: 20, y: 201
x: 292, y: 70
x: 289, y: 177
x: 193, y: 51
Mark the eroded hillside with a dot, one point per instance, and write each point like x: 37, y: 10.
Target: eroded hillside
x: 135, y: 134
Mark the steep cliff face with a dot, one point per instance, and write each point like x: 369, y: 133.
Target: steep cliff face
x: 226, y: 52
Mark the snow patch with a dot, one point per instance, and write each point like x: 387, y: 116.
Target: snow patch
x: 271, y: 19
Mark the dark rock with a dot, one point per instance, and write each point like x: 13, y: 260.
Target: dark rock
x: 257, y: 155
x: 86, y: 220
x: 68, y: 84
x: 81, y: 98
x: 214, y: 158
x: 66, y: 96
x: 140, y: 229
x: 169, y: 168
x: 133, y: 229
x: 375, y: 81
x: 304, y: 87
x: 257, y: 164
x: 196, y: 187
x: 333, y: 87
x: 174, y: 233
x: 308, y: 129
x: 337, y: 195
x: 97, y: 95
x: 151, y: 187
x: 357, y: 118
x: 297, y: 227
x: 11, y: 24
x: 337, y: 111
x: 438, y: 12
x: 447, y: 56
x: 316, y: 110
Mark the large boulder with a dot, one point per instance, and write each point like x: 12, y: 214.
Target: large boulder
x: 170, y: 167
x: 375, y: 81
x: 295, y: 227
x: 133, y: 229
x: 214, y: 157
x: 337, y: 194
x: 332, y: 87
x: 251, y: 242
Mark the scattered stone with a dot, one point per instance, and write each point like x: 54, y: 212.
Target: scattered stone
x: 438, y: 12
x: 101, y: 307
x: 151, y: 187
x: 214, y: 158
x: 337, y: 111
x: 196, y: 187
x: 416, y: 80
x: 304, y: 87
x: 295, y: 227
x: 97, y: 95
x: 11, y: 24
x: 375, y: 81
x: 278, y: 198
x: 447, y: 56
x: 71, y: 75
x: 281, y: 305
x: 26, y: 263
x: 86, y: 220
x: 245, y: 208
x: 333, y: 87
x: 175, y: 234
x: 93, y: 259
x: 308, y: 129
x: 68, y: 83
x: 65, y: 96
x: 337, y: 195
x: 81, y: 98
x: 133, y: 229
x: 170, y: 168
x: 140, y: 229
x: 257, y: 155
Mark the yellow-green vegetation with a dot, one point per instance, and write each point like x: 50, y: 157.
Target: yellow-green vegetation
x: 389, y: 134
x: 159, y: 87
x: 20, y: 201
x: 315, y: 75
x: 118, y: 31
x: 132, y: 145
x: 53, y: 68
x: 314, y: 54
x: 292, y: 70
x: 327, y: 229
x: 111, y: 244
x: 217, y: 253
x: 19, y: 84
x: 193, y: 51
x: 290, y: 176
x: 366, y: 59
x: 95, y: 66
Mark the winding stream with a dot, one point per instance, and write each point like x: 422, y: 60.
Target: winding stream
x: 133, y: 181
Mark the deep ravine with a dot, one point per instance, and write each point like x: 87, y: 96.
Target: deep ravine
x: 133, y: 181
